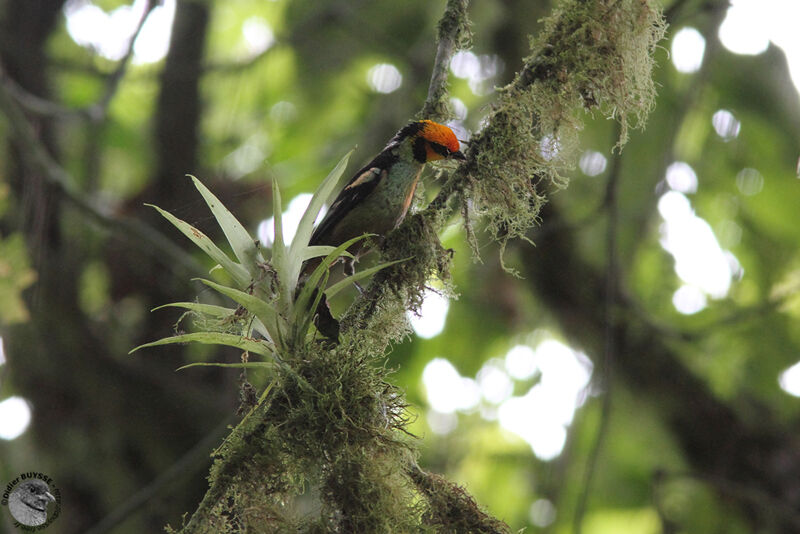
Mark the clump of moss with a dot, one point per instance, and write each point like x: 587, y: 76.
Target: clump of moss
x: 449, y: 508
x: 595, y: 55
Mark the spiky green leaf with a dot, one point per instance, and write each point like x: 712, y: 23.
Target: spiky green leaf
x: 215, y: 338
x: 243, y: 245
x: 262, y: 309
x: 338, y: 286
x: 306, y: 226
x: 207, y: 309
x: 236, y: 271
x: 241, y: 365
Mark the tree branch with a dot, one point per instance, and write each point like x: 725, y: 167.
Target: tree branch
x: 150, y: 240
x: 453, y: 33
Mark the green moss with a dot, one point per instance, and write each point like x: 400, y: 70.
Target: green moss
x: 590, y: 56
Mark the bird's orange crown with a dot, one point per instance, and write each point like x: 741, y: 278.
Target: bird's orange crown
x: 439, y: 133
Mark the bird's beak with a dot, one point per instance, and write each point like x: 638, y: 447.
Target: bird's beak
x: 458, y: 155
x: 49, y: 496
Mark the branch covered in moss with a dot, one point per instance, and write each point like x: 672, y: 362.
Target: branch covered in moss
x: 326, y: 450
x: 454, y: 33
x: 591, y: 55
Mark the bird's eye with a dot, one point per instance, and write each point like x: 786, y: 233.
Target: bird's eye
x: 440, y: 149
x: 32, y: 489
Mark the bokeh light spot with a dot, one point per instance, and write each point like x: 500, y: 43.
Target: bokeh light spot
x: 699, y: 258
x: 689, y: 300
x: 688, y: 48
x: 15, y: 416
x: 290, y: 219
x: 744, y: 29
x: 446, y: 389
x: 749, y: 182
x: 592, y: 163
x: 257, y: 35
x: 521, y: 362
x: 432, y: 315
x: 496, y: 386
x: 789, y: 380
x: 681, y: 177
x: 542, y: 513
x: 384, y: 78
x: 725, y: 124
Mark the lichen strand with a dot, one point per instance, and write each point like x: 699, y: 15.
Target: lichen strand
x: 591, y: 55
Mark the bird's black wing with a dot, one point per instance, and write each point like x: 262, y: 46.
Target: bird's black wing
x: 357, y: 189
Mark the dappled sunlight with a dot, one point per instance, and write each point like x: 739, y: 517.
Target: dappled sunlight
x: 109, y: 33
x: 384, y: 78
x: 726, y: 124
x: 540, y: 417
x: 681, y: 177
x: 429, y: 321
x: 700, y: 261
x: 750, y: 26
x: 15, y: 416
x: 789, y: 380
x: 688, y: 49
x: 257, y: 35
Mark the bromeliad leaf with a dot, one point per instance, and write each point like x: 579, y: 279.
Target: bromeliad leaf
x: 301, y: 305
x: 316, y: 251
x: 207, y: 309
x: 236, y: 271
x: 338, y: 286
x: 279, y: 259
x: 216, y: 338
x: 263, y: 310
x: 306, y: 226
x: 243, y: 245
x: 242, y: 365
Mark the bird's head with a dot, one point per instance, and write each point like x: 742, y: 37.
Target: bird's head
x: 429, y: 141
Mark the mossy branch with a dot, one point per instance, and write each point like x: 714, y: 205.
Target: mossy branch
x: 326, y: 451
x: 591, y: 55
x: 454, y: 33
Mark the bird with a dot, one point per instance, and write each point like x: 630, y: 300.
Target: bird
x: 28, y: 502
x: 378, y: 196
